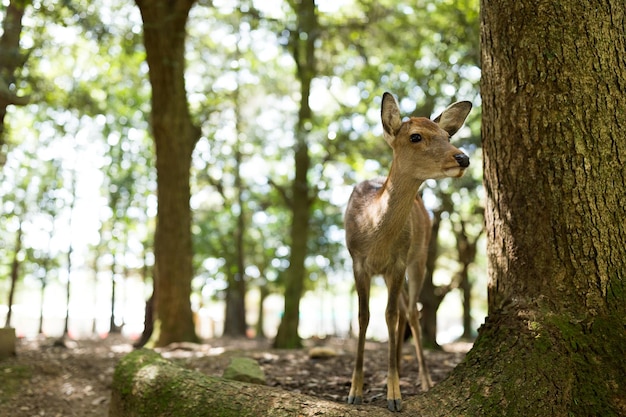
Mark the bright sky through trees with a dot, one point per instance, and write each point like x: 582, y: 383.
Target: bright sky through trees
x: 91, y: 113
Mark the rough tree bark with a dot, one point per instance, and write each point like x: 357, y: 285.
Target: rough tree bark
x: 175, y: 137
x: 554, y: 78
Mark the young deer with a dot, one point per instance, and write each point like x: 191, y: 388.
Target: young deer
x: 388, y: 229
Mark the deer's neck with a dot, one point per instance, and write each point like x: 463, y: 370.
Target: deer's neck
x: 395, y: 201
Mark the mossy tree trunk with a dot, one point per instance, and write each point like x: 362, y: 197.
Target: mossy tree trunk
x: 175, y: 137
x: 146, y: 385
x: 554, y: 79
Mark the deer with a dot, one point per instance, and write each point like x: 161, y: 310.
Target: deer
x: 388, y: 228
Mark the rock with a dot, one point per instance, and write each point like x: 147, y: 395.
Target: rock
x: 322, y: 352
x: 7, y: 342
x: 186, y: 346
x: 245, y: 370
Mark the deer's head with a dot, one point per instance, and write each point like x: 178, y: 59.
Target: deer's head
x: 421, y: 147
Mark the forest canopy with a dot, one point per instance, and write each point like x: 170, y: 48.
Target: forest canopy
x: 79, y: 179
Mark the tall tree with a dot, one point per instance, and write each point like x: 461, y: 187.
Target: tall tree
x: 554, y: 74
x: 303, y: 41
x: 467, y: 247
x: 235, y: 314
x: 70, y: 250
x: 175, y: 137
x: 15, y: 271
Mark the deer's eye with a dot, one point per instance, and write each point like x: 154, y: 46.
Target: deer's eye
x: 416, y: 137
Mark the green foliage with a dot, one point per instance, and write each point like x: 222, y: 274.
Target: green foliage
x: 87, y: 73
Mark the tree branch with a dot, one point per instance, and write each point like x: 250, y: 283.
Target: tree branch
x: 282, y: 191
x: 7, y: 97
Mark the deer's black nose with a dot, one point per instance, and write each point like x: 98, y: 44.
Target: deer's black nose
x: 462, y: 159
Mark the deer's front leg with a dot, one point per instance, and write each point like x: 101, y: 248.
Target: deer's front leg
x: 394, y: 398
x: 363, y: 288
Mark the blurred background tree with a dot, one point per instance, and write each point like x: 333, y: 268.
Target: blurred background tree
x: 287, y: 97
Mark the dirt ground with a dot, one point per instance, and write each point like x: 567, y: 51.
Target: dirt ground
x: 45, y: 379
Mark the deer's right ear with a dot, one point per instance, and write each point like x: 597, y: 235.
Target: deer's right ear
x: 390, y: 115
x: 453, y: 117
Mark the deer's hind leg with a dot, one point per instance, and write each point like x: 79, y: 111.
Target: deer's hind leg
x: 416, y: 271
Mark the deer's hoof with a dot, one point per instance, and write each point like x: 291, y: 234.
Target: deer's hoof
x: 427, y: 383
x: 355, y: 400
x: 394, y: 405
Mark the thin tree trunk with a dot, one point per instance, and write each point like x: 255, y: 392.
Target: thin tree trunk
x: 429, y: 298
x: 466, y: 294
x: 301, y: 199
x: 148, y: 320
x: 112, y: 327
x: 235, y: 317
x: 260, y: 324
x: 15, y: 272
x: 42, y: 293
x: 44, y: 280
x: 70, y: 250
x: 466, y: 249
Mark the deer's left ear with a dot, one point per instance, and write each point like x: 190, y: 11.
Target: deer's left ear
x: 452, y: 118
x: 390, y: 115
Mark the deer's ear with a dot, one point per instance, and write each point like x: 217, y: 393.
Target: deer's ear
x: 390, y: 115
x: 453, y: 117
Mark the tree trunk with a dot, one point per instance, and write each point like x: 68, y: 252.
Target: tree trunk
x: 429, y: 297
x: 466, y: 249
x: 42, y: 294
x: 15, y: 272
x: 303, y: 44
x: 235, y: 317
x: 70, y: 250
x: 175, y: 137
x: 112, y: 327
x: 260, y: 324
x: 554, y: 76
x: 466, y: 293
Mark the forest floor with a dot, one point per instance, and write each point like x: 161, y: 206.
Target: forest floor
x: 46, y: 379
